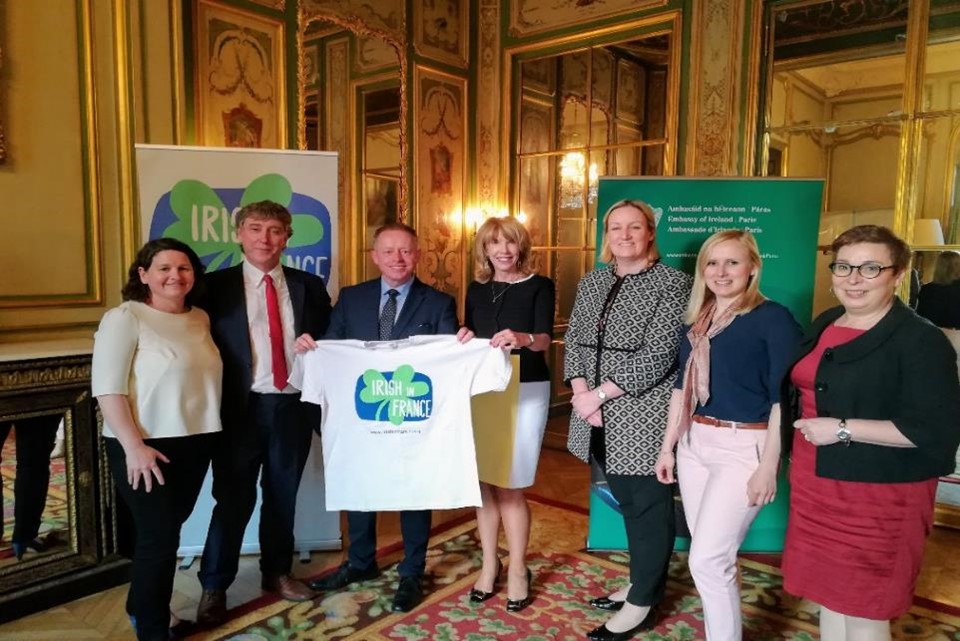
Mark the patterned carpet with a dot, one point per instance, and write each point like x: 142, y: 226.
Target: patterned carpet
x: 565, y: 578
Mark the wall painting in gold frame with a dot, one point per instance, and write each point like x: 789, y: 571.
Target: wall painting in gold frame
x: 441, y: 29
x: 240, y: 90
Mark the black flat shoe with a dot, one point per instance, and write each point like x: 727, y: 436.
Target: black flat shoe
x: 516, y: 605
x: 603, y: 634
x: 343, y: 576
x: 606, y: 603
x: 479, y: 596
x: 409, y: 594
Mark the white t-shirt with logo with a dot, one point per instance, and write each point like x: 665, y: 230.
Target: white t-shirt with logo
x: 396, y: 429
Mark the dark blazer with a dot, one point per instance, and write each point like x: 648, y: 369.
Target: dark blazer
x: 425, y: 311
x: 226, y: 304
x: 903, y: 370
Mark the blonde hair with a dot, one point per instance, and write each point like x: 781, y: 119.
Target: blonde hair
x: 947, y: 269
x: 511, y: 230
x: 653, y: 253
x: 701, y: 296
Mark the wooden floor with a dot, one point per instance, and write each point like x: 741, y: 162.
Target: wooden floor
x: 561, y: 477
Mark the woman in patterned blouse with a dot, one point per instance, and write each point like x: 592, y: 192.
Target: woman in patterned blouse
x: 621, y: 360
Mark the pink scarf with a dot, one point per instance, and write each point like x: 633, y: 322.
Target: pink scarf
x: 696, y: 375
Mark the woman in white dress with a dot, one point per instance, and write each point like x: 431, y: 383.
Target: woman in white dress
x: 514, y: 308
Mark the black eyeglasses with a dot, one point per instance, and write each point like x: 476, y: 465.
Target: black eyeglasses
x: 867, y: 270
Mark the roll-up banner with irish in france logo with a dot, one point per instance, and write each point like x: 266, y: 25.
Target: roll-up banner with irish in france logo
x: 194, y: 193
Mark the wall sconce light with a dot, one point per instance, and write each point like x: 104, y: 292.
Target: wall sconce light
x: 927, y: 231
x: 573, y: 166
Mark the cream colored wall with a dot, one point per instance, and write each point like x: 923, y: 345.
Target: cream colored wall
x: 67, y: 183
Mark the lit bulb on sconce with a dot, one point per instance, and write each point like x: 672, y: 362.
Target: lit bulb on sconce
x: 522, y: 217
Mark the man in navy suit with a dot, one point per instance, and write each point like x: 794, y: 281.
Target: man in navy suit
x: 396, y: 305
x: 257, y: 309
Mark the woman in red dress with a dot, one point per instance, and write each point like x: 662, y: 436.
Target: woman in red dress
x: 874, y: 407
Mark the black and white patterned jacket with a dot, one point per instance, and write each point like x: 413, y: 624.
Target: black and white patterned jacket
x: 636, y: 347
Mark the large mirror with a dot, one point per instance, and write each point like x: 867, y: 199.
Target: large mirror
x: 867, y: 96
x: 606, y: 109
x: 59, y: 537
x: 352, y: 93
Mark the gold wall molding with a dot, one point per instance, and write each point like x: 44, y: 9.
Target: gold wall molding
x: 338, y: 103
x: 489, y: 195
x: 129, y: 234
x: 48, y: 373
x: 751, y: 123
x: 528, y: 17
x: 3, y: 144
x: 89, y: 157
x: 713, y: 128
x: 439, y: 176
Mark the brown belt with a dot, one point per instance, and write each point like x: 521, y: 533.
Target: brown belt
x: 716, y: 422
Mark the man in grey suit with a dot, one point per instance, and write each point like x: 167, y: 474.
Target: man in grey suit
x: 396, y: 305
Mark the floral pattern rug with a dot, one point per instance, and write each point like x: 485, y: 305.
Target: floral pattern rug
x: 565, y: 579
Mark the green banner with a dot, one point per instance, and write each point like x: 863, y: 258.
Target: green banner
x: 784, y: 216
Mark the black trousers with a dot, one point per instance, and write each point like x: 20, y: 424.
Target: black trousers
x: 35, y: 440
x: 274, y: 437
x: 157, y: 518
x: 414, y: 527
x: 647, y: 507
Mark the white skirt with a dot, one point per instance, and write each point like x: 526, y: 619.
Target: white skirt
x: 532, y: 410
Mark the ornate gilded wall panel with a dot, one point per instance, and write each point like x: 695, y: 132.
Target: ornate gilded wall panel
x: 535, y: 16
x: 440, y: 147
x: 373, y: 54
x: 241, y: 98
x: 441, y: 30
x: 388, y: 16
x: 488, y: 107
x: 714, y: 115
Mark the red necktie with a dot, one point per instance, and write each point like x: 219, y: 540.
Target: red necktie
x: 278, y: 357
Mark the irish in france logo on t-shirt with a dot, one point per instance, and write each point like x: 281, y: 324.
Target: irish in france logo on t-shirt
x: 401, y: 396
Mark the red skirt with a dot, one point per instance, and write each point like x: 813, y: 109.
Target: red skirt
x: 855, y: 548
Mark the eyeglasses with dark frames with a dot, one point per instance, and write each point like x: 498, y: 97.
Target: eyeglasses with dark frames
x: 867, y: 270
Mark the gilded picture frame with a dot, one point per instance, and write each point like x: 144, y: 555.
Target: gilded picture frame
x: 239, y: 84
x: 440, y: 30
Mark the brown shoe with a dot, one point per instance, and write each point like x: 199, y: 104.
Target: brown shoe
x: 212, y: 609
x: 287, y: 587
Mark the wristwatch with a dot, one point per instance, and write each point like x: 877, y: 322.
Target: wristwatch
x: 601, y: 394
x: 843, y: 432
x: 532, y: 340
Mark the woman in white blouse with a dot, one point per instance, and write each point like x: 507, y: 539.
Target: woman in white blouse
x: 156, y: 374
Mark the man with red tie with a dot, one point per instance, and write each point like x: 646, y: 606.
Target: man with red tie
x: 257, y: 309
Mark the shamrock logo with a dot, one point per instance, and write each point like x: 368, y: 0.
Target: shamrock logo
x: 403, y: 394
x: 205, y: 222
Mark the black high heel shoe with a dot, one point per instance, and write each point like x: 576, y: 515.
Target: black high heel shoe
x: 606, y: 603
x: 479, y: 596
x: 516, y: 605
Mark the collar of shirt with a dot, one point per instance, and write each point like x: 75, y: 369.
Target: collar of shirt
x: 253, y: 276
x: 403, y: 290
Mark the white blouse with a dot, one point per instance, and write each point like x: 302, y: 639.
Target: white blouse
x: 165, y: 364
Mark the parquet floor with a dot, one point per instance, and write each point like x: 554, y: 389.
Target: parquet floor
x: 101, y: 616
